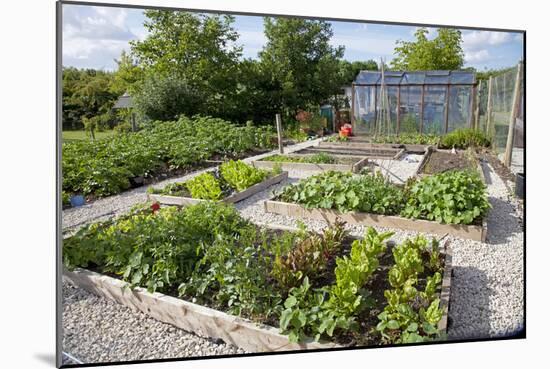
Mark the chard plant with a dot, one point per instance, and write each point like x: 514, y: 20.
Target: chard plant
x: 410, y: 315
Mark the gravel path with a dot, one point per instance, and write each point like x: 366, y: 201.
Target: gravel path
x: 488, y: 286
x: 105, y: 208
x: 100, y: 330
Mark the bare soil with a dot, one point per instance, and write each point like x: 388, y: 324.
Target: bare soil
x: 440, y: 161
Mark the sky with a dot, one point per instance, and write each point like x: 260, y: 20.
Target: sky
x: 93, y: 37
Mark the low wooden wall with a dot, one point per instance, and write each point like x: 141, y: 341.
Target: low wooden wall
x: 200, y: 320
x: 186, y: 201
x: 473, y: 232
x: 355, y: 167
x: 358, y: 144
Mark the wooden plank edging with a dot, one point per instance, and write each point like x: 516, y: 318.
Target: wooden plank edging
x: 472, y: 232
x: 236, y: 197
x: 287, y: 166
x: 198, y: 319
x: 445, y: 294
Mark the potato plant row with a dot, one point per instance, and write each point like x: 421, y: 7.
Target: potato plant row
x: 105, y: 167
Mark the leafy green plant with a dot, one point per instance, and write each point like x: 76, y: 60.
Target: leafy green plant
x: 309, y: 257
x: 455, y: 197
x: 320, y: 158
x: 314, y: 313
x: 304, y: 314
x: 233, y: 274
x: 154, y: 249
x: 347, y: 295
x: 464, y: 138
x: 410, y: 315
x: 409, y: 139
x: 240, y: 176
x: 346, y: 192
x: 65, y: 198
x: 204, y: 186
x: 103, y: 167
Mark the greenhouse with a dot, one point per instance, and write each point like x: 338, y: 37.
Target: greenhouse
x: 428, y: 102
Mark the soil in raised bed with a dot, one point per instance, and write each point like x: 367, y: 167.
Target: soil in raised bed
x: 441, y: 161
x: 503, y: 172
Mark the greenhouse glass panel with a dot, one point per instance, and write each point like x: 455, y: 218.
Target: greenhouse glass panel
x: 458, y: 78
x: 459, y: 107
x: 434, y: 110
x: 431, y: 79
x: 392, y: 80
x: 501, y: 100
x: 413, y: 78
x: 392, y: 98
x: 409, y: 110
x: 365, y: 109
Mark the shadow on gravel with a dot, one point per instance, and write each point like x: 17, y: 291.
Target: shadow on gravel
x: 469, y: 311
x: 502, y: 222
x: 486, y: 172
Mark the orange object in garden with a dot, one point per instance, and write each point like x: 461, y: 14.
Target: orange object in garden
x: 346, y: 130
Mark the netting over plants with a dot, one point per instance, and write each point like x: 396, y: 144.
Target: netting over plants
x: 496, y: 102
x: 430, y: 102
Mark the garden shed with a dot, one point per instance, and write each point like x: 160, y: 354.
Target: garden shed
x: 428, y: 102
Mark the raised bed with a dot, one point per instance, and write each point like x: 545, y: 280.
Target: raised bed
x: 198, y: 319
x: 371, y: 153
x: 364, y: 143
x: 459, y: 163
x: 208, y: 322
x: 346, y: 164
x: 472, y: 232
x: 235, y: 197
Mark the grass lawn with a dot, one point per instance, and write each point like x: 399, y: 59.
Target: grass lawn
x: 81, y: 135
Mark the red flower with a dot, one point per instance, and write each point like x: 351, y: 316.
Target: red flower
x: 155, y: 207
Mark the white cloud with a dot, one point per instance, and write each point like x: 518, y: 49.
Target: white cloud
x: 478, y: 40
x: 96, y: 35
x: 477, y: 56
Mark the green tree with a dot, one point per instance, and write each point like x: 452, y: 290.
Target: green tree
x: 441, y: 53
x: 86, y: 94
x: 349, y: 70
x: 300, y: 61
x: 127, y: 75
x: 200, y: 48
x: 165, y: 97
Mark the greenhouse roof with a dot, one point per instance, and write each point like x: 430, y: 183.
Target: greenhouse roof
x: 434, y: 77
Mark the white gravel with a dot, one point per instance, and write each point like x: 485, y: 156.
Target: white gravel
x: 399, y: 171
x: 488, y: 287
x: 99, y: 330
